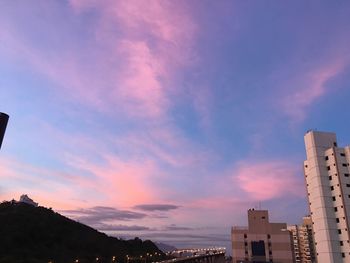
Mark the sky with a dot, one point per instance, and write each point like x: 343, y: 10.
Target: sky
x: 168, y: 120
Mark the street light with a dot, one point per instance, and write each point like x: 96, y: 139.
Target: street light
x: 4, y: 118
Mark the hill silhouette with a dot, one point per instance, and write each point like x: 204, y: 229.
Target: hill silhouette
x: 30, y: 234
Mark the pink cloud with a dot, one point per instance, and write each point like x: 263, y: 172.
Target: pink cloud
x: 115, y: 183
x: 122, y: 183
x: 140, y: 88
x: 156, y: 37
x: 310, y: 86
x: 268, y: 180
x: 138, y: 47
x: 164, y: 19
x: 46, y: 186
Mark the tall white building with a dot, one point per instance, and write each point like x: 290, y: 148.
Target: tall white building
x: 327, y: 178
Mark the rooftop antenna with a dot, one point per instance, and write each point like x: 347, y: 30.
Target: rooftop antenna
x: 3, y: 124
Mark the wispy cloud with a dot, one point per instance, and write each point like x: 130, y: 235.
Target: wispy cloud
x: 174, y: 227
x: 268, y: 180
x: 308, y: 87
x: 156, y: 207
x: 100, y: 214
x: 118, y: 227
x: 148, y: 32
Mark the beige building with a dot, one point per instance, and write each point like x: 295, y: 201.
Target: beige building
x: 303, y: 243
x: 261, y: 241
x: 327, y: 178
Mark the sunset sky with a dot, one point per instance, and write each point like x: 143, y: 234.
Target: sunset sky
x: 169, y: 119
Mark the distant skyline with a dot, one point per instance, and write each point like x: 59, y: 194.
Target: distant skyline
x: 168, y: 120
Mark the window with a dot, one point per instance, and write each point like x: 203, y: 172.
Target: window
x: 337, y: 220
x: 342, y: 154
x: 335, y: 144
x: 332, y: 188
x: 268, y: 236
x: 245, y: 235
x: 347, y: 185
x: 326, y: 158
x: 330, y: 177
x: 335, y: 209
x: 341, y: 243
x: 339, y: 232
x: 328, y: 167
x: 333, y: 198
x: 258, y: 248
x: 245, y: 244
x: 262, y: 217
x: 343, y: 255
x: 346, y: 175
x: 345, y: 164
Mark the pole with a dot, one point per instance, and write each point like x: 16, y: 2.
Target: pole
x: 3, y: 124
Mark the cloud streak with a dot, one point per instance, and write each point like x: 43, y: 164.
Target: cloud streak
x: 100, y: 214
x: 268, y: 180
x: 156, y: 207
x: 311, y: 87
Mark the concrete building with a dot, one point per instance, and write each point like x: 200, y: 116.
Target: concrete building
x: 303, y: 241
x: 261, y: 241
x: 327, y: 178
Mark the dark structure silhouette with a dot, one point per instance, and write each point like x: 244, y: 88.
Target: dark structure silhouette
x: 3, y: 123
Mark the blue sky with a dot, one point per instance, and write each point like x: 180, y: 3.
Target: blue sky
x: 195, y: 109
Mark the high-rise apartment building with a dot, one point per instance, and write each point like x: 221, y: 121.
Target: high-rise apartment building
x: 327, y: 178
x: 261, y: 241
x: 303, y: 241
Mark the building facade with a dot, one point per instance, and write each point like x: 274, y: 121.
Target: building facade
x: 327, y: 178
x: 261, y: 241
x: 303, y: 241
